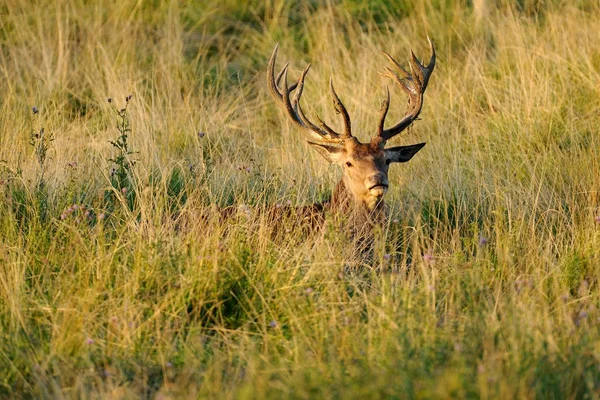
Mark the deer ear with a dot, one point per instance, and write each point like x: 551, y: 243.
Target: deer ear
x: 403, y: 153
x: 330, y: 153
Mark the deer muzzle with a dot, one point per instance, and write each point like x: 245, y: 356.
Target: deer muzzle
x: 377, y: 184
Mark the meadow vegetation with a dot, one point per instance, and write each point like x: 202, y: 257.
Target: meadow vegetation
x: 114, y: 283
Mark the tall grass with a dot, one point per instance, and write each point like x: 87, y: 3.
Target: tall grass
x: 485, y: 281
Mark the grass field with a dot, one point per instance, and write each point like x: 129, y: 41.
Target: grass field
x: 484, y: 283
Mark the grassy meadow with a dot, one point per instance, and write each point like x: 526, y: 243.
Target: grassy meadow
x: 118, y: 281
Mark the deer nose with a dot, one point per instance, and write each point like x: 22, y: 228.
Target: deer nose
x: 377, y: 179
x: 377, y: 184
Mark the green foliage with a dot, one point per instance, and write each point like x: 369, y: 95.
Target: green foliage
x: 177, y: 189
x: 379, y: 12
x: 576, y: 272
x: 122, y: 175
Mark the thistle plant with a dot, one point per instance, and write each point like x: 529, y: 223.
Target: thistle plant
x: 121, y: 175
x: 41, y: 141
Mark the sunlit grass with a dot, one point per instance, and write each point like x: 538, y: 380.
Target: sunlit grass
x: 484, y: 283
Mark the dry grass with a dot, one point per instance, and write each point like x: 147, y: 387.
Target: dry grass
x: 143, y: 298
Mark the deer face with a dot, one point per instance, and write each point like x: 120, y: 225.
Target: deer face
x: 366, y: 166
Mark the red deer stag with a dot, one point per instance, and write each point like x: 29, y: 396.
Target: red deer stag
x: 365, y: 165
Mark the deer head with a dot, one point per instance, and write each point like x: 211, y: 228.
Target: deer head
x: 365, y: 165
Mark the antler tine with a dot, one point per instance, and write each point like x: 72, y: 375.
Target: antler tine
x: 395, y: 64
x: 280, y: 74
x: 298, y: 108
x: 300, y: 87
x: 414, y: 84
x: 281, y: 93
x: 272, y: 82
x: 341, y: 109
x: 428, y: 70
x: 325, y: 126
x: 400, y: 81
x: 385, y: 106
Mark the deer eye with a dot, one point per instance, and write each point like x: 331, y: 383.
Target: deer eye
x: 348, y: 164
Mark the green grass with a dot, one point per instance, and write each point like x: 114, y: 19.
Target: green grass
x: 484, y: 283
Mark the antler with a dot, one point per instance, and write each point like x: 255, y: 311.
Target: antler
x: 414, y: 84
x: 292, y: 106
